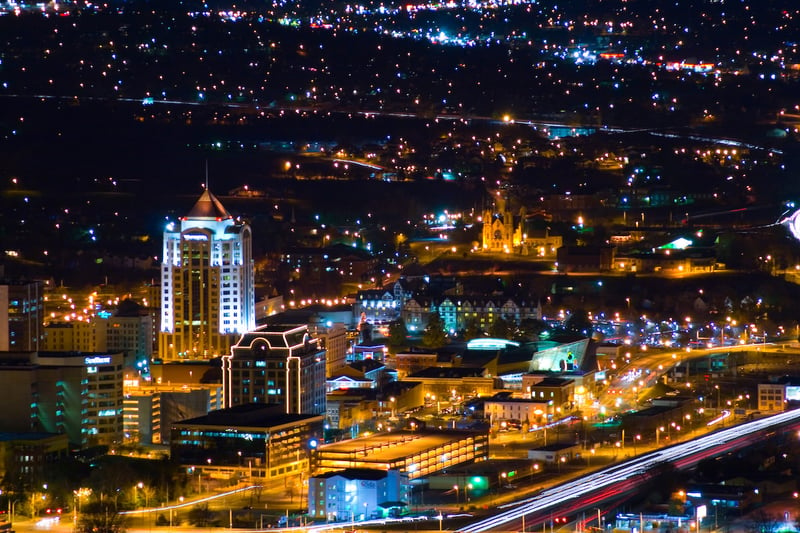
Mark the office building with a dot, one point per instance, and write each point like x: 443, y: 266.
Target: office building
x: 276, y: 364
x: 207, y: 287
x: 256, y: 441
x: 78, y: 394
x: 21, y: 315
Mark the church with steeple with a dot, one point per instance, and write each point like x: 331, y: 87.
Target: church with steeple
x: 526, y: 234
x: 207, y: 285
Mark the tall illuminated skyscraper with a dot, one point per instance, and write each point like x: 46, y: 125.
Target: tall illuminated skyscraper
x: 207, y: 294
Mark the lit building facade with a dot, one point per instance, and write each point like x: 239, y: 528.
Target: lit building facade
x: 415, y: 454
x: 207, y: 286
x: 457, y: 312
x: 131, y: 335
x: 772, y: 397
x: 276, y: 364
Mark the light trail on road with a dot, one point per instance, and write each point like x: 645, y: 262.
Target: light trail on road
x: 616, y: 480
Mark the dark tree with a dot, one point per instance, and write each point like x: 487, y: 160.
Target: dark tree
x: 100, y: 517
x: 434, y: 335
x: 472, y: 329
x: 397, y: 333
x: 502, y: 329
x: 531, y: 328
x: 578, y: 322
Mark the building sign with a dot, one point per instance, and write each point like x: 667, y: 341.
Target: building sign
x: 97, y: 360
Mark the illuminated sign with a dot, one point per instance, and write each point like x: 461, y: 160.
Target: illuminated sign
x: 103, y: 360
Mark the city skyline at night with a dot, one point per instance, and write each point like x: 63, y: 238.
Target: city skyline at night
x: 361, y: 265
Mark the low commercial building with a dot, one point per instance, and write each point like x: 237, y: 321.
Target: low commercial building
x: 257, y: 441
x: 464, y: 382
x: 559, y: 392
x: 555, y: 453
x: 415, y: 454
x: 514, y: 412
x: 355, y: 494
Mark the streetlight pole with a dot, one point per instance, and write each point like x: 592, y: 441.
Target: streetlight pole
x: 599, y: 525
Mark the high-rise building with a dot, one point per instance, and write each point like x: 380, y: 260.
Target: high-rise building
x: 207, y: 293
x: 21, y: 315
x: 276, y: 364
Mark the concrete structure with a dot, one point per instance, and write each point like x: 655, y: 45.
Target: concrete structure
x: 21, y: 315
x: 772, y: 397
x: 555, y: 453
x: 151, y: 409
x: 585, y: 258
x: 328, y: 323
x: 352, y: 408
x: 76, y: 336
x: 354, y: 494
x: 415, y: 454
x: 207, y: 287
x: 131, y: 335
x: 333, y: 339
x: 276, y: 364
x: 256, y: 441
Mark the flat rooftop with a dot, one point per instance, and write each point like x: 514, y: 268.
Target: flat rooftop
x: 394, y: 445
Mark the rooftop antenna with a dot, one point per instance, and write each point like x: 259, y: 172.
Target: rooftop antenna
x: 206, y: 174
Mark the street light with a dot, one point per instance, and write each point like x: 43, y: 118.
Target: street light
x: 455, y: 487
x: 140, y: 486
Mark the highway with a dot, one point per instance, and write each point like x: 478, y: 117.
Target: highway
x: 613, y: 483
